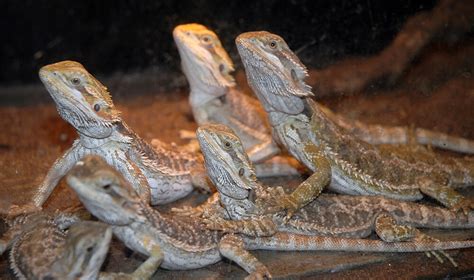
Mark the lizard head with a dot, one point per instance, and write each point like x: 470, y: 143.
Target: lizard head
x: 104, y: 191
x: 203, y: 58
x: 87, y: 244
x: 274, y: 72
x: 80, y: 99
x: 226, y: 161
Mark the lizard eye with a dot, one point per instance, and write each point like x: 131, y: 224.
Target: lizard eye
x: 221, y: 67
x: 97, y: 107
x: 227, y: 145
x: 206, y: 39
x: 89, y: 249
x: 273, y: 44
x: 106, y: 187
x: 75, y: 81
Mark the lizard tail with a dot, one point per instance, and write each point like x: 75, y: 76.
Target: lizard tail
x: 379, y: 134
x: 295, y: 242
x: 444, y: 141
x: 420, y: 215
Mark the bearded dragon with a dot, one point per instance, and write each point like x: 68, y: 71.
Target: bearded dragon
x: 242, y: 203
x: 276, y: 75
x: 40, y: 246
x: 61, y: 246
x: 214, y: 97
x: 161, y: 175
x: 184, y: 241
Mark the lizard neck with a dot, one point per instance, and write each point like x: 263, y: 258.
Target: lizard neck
x: 92, y: 143
x: 201, y: 93
x: 119, y: 133
x: 237, y: 209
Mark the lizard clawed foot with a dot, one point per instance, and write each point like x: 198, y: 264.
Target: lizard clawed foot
x: 187, y: 211
x: 260, y: 273
x: 437, y: 254
x: 16, y: 210
x: 284, y: 203
x: 465, y: 205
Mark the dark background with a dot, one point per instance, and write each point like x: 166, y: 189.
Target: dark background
x: 129, y: 36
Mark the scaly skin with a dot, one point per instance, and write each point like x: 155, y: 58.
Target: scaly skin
x: 215, y: 98
x: 42, y: 249
x: 237, y: 211
x: 161, y: 175
x: 277, y: 77
x: 185, y: 242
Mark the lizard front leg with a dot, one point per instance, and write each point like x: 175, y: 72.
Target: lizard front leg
x: 232, y: 247
x: 138, y: 180
x: 389, y: 231
x: 311, y: 187
x: 60, y: 167
x: 445, y: 195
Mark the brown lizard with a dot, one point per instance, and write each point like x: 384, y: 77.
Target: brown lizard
x: 41, y: 248
x: 61, y: 246
x: 161, y: 174
x: 242, y: 202
x: 185, y: 242
x: 214, y: 97
x: 276, y: 75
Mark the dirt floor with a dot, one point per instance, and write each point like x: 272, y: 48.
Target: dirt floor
x: 437, y: 93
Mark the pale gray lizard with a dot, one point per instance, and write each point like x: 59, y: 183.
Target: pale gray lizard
x: 214, y: 97
x: 243, y: 203
x: 161, y: 175
x: 276, y: 75
x: 185, y: 242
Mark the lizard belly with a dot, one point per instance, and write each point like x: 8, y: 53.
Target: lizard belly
x: 342, y: 183
x: 177, y: 259
x: 140, y: 239
x: 168, y: 189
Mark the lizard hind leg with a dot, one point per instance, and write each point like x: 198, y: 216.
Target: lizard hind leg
x: 232, y: 247
x: 148, y: 268
x: 445, y: 195
x: 390, y: 231
x: 144, y: 271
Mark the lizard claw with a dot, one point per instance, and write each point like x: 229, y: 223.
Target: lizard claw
x: 437, y: 254
x: 260, y: 273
